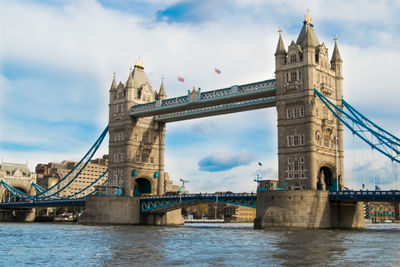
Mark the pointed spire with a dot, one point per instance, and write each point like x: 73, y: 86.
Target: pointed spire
x: 307, y: 18
x: 280, y: 48
x: 307, y: 36
x: 113, y: 83
x: 129, y: 82
x: 139, y: 64
x: 162, y: 94
x: 336, y: 55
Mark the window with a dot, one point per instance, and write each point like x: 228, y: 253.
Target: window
x: 289, y: 160
x: 137, y: 158
x: 301, y: 159
x: 290, y: 140
x: 293, y: 58
x: 301, y: 112
x: 296, y: 112
x: 296, y: 140
x: 288, y: 113
x: 293, y: 76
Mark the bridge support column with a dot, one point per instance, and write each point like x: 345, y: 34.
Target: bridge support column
x: 292, y: 209
x: 397, y: 210
x: 22, y: 215
x: 169, y: 218
x: 111, y: 210
x: 348, y: 214
x: 305, y: 209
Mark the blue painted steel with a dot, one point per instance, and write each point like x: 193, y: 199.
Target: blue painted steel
x: 45, y: 194
x: 43, y: 203
x: 209, y: 98
x: 387, y: 145
x: 157, y: 204
x: 217, y: 109
x: 393, y: 195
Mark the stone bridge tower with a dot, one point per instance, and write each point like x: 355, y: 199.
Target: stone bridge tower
x: 310, y: 138
x: 136, y: 146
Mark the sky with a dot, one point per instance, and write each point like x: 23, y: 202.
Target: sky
x: 57, y: 60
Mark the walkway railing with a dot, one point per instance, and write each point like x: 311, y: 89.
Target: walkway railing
x: 366, y: 195
x: 197, y: 99
x: 160, y: 204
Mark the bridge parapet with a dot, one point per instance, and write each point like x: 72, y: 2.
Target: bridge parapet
x: 161, y: 204
x: 365, y: 195
x: 197, y: 99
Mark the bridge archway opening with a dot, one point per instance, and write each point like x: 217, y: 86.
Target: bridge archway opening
x: 326, y: 180
x: 8, y: 197
x: 142, y: 186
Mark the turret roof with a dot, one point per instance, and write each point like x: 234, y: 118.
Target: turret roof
x: 280, y: 48
x: 336, y: 55
x: 307, y: 36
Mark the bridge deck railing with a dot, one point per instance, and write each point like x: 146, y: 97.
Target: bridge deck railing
x: 203, y: 99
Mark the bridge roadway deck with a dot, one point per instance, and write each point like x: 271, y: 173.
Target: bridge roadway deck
x: 165, y: 203
x: 203, y: 104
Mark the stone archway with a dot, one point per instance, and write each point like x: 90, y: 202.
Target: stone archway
x: 142, y: 186
x: 326, y: 179
x: 6, y: 196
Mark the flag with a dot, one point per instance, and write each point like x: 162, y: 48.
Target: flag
x: 181, y: 79
x: 259, y: 163
x: 218, y: 71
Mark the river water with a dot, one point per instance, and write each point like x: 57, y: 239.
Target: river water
x: 49, y: 244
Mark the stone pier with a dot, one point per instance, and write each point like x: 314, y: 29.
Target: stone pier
x: 21, y: 215
x: 124, y: 210
x: 305, y: 209
x: 396, y: 205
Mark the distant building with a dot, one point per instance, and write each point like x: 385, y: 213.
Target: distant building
x: 380, y: 211
x: 50, y: 174
x: 268, y: 184
x: 234, y: 213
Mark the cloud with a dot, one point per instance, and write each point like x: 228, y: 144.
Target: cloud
x: 224, y: 160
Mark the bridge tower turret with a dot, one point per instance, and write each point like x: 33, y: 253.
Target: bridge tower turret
x: 136, y: 146
x: 310, y: 146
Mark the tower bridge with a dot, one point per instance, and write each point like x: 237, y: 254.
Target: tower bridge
x: 307, y: 92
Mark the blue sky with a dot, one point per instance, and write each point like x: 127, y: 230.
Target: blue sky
x: 57, y: 59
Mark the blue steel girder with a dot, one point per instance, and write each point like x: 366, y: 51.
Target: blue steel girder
x: 161, y: 204
x: 217, y: 110
x: 43, y: 203
x: 393, y: 195
x: 384, y: 142
x: 236, y: 93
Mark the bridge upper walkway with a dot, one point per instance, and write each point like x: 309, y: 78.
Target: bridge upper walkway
x: 203, y: 104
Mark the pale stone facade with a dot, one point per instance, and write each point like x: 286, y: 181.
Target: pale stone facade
x: 309, y: 157
x: 136, y: 146
x: 18, y: 176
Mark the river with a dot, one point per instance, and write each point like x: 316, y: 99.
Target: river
x: 51, y: 244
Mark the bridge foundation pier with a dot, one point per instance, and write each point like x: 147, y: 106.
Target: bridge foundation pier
x: 165, y: 219
x: 347, y: 214
x: 21, y: 215
x: 396, y: 205
x: 111, y: 210
x: 305, y: 209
